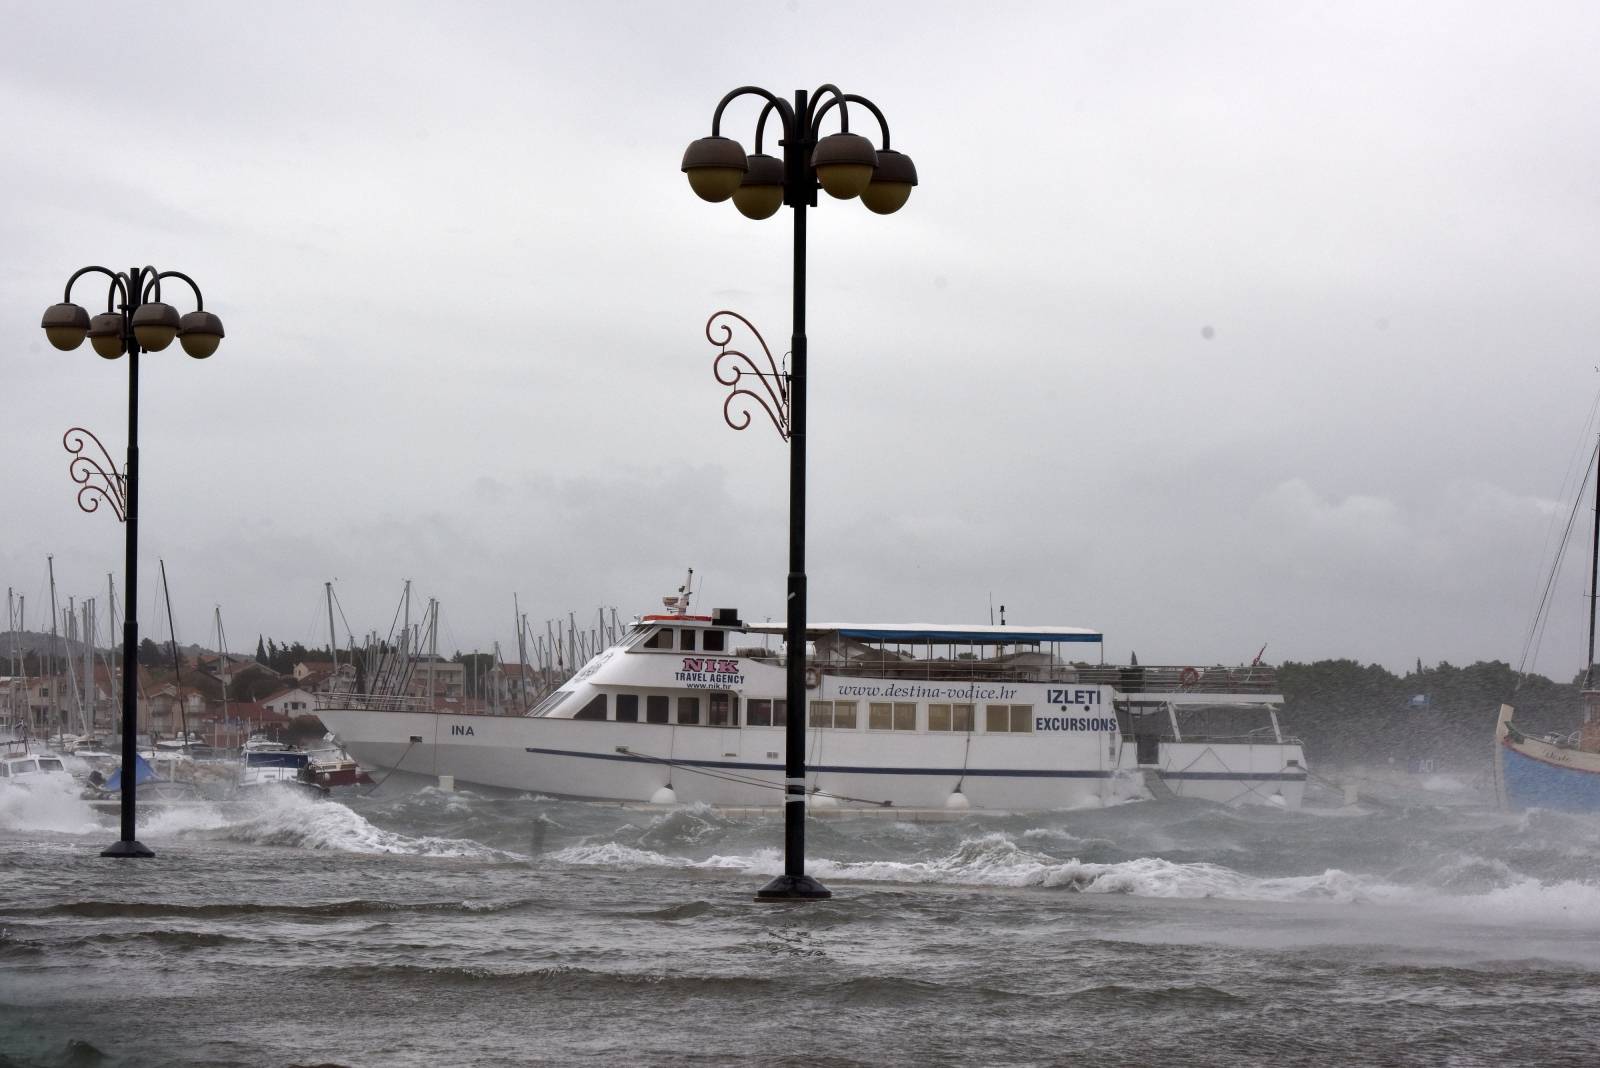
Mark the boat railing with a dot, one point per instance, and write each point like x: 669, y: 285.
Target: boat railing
x: 1265, y: 737
x: 1172, y: 679
x: 1573, y: 740
x: 372, y: 702
x: 1126, y: 680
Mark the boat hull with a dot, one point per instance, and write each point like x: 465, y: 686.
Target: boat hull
x: 1535, y: 775
x: 636, y: 762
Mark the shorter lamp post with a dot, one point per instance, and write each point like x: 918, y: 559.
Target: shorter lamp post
x: 132, y: 323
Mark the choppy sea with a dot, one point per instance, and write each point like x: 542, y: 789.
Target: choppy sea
x: 1420, y: 926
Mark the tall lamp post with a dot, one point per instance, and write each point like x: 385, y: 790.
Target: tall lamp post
x: 845, y: 165
x: 135, y: 321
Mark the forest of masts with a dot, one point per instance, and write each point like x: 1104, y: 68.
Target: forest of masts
x: 383, y: 664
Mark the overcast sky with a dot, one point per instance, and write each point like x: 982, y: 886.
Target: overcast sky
x: 1209, y: 326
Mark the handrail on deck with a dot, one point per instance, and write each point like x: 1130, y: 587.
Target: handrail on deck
x: 1126, y: 680
x: 372, y: 702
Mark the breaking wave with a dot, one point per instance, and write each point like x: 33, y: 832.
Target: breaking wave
x: 998, y: 860
x: 270, y: 818
x: 293, y: 821
x: 50, y: 804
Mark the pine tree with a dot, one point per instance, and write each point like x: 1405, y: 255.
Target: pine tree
x: 261, y: 650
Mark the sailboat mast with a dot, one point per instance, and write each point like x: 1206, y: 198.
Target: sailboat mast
x: 333, y: 642
x: 22, y: 626
x: 11, y: 651
x: 177, y: 668
x: 433, y: 645
x: 55, y: 650
x: 1594, y: 571
x: 407, y: 664
x: 113, y: 676
x: 522, y: 655
x: 70, y: 616
x: 227, y: 663
x: 87, y: 651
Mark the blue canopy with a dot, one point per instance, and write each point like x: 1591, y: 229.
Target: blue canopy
x: 142, y: 774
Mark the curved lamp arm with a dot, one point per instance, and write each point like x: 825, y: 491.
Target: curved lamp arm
x: 118, y: 281
x: 836, y: 97
x: 778, y: 103
x: 199, y: 301
x: 761, y: 124
x: 883, y: 124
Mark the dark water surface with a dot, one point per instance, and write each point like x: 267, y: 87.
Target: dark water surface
x: 449, y: 929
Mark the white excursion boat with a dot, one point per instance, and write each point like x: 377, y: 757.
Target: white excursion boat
x: 690, y: 708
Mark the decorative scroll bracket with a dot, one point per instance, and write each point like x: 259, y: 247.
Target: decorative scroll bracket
x: 97, y: 476
x: 770, y: 389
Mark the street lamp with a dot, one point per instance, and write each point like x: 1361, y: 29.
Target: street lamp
x: 845, y: 165
x: 132, y: 323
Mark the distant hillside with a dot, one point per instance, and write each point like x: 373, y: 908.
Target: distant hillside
x: 22, y: 642
x: 40, y: 643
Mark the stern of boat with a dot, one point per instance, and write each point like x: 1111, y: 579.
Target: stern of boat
x: 1502, y: 730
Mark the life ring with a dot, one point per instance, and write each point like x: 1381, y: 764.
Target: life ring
x: 813, y: 678
x: 1188, y: 676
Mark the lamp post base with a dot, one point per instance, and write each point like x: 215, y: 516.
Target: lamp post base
x: 793, y: 888
x: 127, y: 848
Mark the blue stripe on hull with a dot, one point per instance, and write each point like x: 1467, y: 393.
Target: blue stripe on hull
x: 1533, y: 783
x: 852, y: 769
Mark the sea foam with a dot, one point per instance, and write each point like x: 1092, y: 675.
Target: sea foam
x: 997, y: 860
x: 50, y: 803
x: 282, y: 818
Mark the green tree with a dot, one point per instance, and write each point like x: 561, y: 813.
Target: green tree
x: 150, y: 654
x: 1347, y: 713
x: 478, y: 666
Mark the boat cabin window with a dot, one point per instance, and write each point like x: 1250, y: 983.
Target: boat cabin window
x: 689, y: 710
x: 50, y: 764
x: 760, y: 712
x: 713, y: 641
x: 595, y: 709
x: 891, y: 716
x: 840, y: 714
x: 724, y: 711
x: 657, y: 709
x: 1009, y: 719
x: 950, y: 717
x: 1224, y: 722
x: 276, y: 760
x: 627, y: 708
x: 686, y: 639
x: 661, y: 638
x: 549, y: 704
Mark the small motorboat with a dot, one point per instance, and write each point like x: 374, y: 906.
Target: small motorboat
x: 19, y: 767
x: 274, y: 766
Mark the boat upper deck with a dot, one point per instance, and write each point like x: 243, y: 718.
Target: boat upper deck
x: 1015, y: 653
